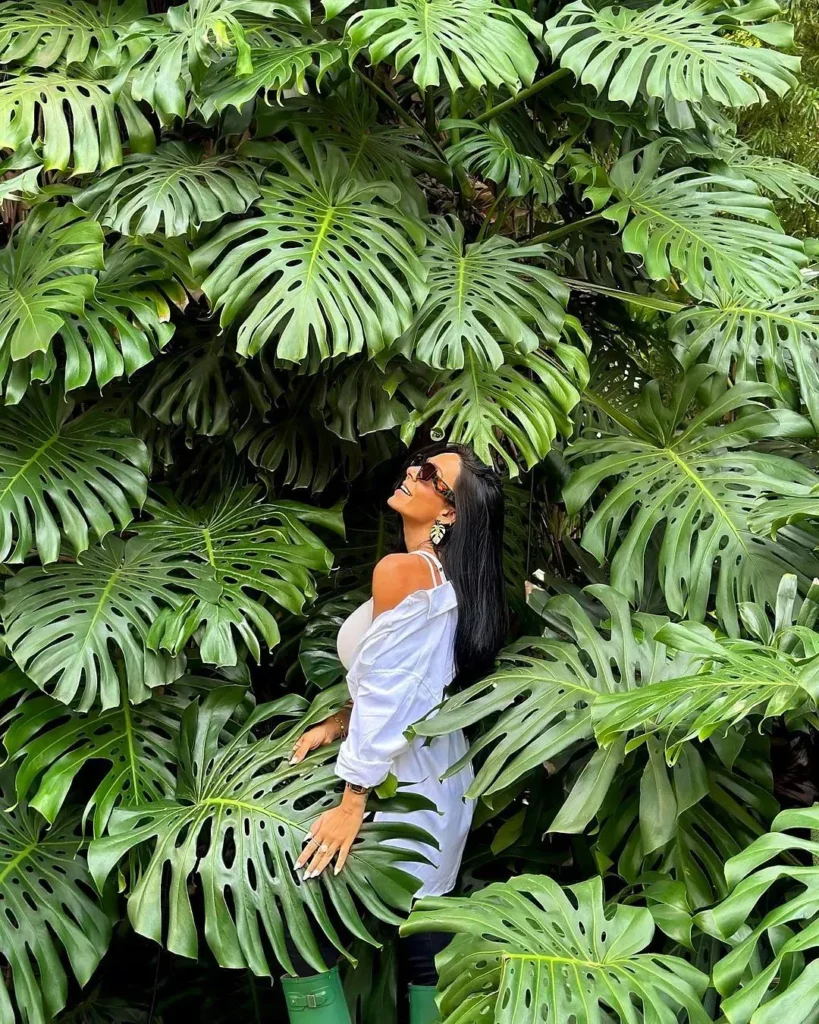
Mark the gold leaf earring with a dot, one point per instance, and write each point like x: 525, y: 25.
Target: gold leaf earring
x: 438, y: 531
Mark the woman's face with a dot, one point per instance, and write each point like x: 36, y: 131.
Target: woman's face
x: 417, y: 500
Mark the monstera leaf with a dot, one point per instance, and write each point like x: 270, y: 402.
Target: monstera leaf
x: 256, y: 810
x: 120, y: 328
x: 774, y: 175
x: 40, y: 33
x: 331, y: 260
x: 713, y: 805
x: 64, y: 475
x: 363, y: 398
x: 49, y: 913
x: 743, y: 682
x: 527, y: 949
x: 79, y: 630
x: 693, y: 486
x: 775, y: 341
x: 348, y: 118
x: 35, y: 290
x: 521, y: 405
x: 173, y: 190
x: 251, y: 560
x: 477, y: 40
x: 498, y: 152
x: 544, y: 688
x: 180, y: 45
x: 50, y: 744
x: 280, y: 60
x: 676, y: 221
x: 72, y: 116
x: 189, y: 389
x: 759, y: 984
x: 675, y: 52
x: 482, y: 292
x: 771, y: 516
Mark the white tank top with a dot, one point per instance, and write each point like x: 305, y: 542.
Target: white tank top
x: 359, y: 621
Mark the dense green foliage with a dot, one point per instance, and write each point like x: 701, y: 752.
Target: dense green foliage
x: 252, y: 251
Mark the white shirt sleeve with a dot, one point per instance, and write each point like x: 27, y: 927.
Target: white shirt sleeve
x: 388, y: 701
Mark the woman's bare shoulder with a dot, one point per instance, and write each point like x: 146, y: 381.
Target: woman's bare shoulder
x: 397, y: 576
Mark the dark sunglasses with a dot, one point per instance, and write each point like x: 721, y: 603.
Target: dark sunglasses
x: 428, y: 472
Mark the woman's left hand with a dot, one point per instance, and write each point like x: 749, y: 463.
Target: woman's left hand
x: 333, y: 833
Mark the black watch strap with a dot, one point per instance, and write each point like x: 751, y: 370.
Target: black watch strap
x: 355, y: 788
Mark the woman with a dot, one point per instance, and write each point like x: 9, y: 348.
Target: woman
x: 401, y: 649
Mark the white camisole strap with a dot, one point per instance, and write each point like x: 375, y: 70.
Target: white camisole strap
x: 432, y: 561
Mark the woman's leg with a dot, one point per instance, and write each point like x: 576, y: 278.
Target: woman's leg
x: 313, y: 997
x: 417, y: 957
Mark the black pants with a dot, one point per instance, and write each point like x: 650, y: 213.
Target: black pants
x: 416, y: 957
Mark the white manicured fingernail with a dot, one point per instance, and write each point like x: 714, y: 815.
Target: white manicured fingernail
x: 299, y: 867
x: 292, y: 760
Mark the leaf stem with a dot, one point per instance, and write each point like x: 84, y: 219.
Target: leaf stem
x: 646, y: 301
x: 524, y: 94
x: 405, y: 115
x: 486, y: 221
x: 565, y: 229
x: 429, y: 110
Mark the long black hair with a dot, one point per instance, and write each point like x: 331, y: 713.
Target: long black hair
x: 472, y: 557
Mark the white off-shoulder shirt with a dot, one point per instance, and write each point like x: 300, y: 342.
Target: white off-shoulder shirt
x: 398, y: 665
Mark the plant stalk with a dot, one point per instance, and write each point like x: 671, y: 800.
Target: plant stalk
x: 566, y: 229
x: 524, y: 94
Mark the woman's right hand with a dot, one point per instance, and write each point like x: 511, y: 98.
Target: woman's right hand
x: 320, y: 735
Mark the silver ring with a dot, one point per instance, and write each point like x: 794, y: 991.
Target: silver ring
x: 324, y: 848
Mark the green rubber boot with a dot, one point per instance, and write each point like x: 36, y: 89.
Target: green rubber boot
x: 422, y: 1004
x: 318, y: 999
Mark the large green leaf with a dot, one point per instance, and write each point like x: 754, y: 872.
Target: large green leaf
x: 174, y: 189
x: 50, y: 745
x: 281, y: 58
x: 77, y: 628
x: 43, y: 278
x: 126, y: 322
x: 743, y: 681
x: 65, y: 476
x: 501, y: 152
x: 773, y: 174
x: 760, y: 988
x: 692, y: 486
x: 121, y: 327
x: 753, y: 339
x: 251, y: 560
x: 349, y: 118
x: 526, y: 949
x: 49, y: 912
x: 179, y: 46
x: 256, y: 810
x: 710, y: 810
x: 483, y: 293
x: 770, y: 516
x: 519, y: 407
x: 73, y: 117
x: 39, y: 33
x: 480, y: 41
x: 42, y: 33
x: 544, y: 689
x: 188, y: 388
x: 331, y: 261
x: 674, y: 51
x: 676, y: 221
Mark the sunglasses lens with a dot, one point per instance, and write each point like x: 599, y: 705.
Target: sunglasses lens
x: 427, y: 472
